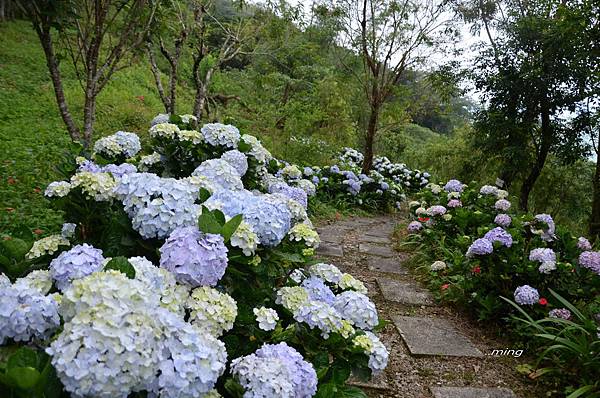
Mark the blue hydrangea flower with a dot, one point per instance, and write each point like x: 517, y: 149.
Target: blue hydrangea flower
x: 119, y: 170
x: 270, y: 221
x: 480, y: 247
x: 89, y: 166
x: 498, y: 234
x: 590, y: 260
x: 196, y: 259
x: 414, y: 226
x: 319, y: 315
x: 503, y: 220
x: 526, y: 295
x: 584, y: 244
x: 80, y: 261
x: 237, y: 159
x: 220, y: 172
x: 453, y: 186
x: 297, y: 194
x: 502, y: 205
x: 436, y: 210
x: 317, y: 290
x: 223, y: 135
x: 334, y: 169
x: 160, y: 119
x: 357, y: 308
x: 26, y: 314
x: 547, y: 234
x: 263, y: 377
x: 560, y: 313
x: 542, y: 255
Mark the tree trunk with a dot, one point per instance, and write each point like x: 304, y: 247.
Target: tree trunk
x: 157, y: 80
x: 541, y: 157
x: 594, y: 226
x: 43, y: 33
x: 201, y: 92
x: 370, y: 138
x: 89, y: 117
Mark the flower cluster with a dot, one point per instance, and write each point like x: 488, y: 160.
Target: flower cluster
x: 120, y: 144
x: 76, y: 263
x: 212, y: 311
x: 224, y: 135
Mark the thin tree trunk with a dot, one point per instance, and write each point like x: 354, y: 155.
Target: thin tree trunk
x: 370, y: 138
x: 201, y: 90
x: 43, y: 33
x: 542, y: 155
x: 89, y: 117
x: 157, y: 79
x: 594, y: 226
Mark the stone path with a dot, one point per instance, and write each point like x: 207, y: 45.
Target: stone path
x: 435, y: 352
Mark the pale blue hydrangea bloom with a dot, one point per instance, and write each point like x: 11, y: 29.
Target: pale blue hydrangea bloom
x: 236, y: 159
x: 436, y: 210
x: 160, y: 119
x: 560, y: 313
x: 297, y: 194
x: 374, y: 348
x: 590, y: 260
x: 328, y: 272
x: 547, y: 234
x: 357, y: 308
x: 263, y: 377
x: 270, y: 221
x: 319, y: 315
x: 498, y: 234
x: 584, y: 244
x: 502, y: 205
x: 68, y: 230
x: 196, y: 258
x: 121, y: 143
x: 317, y: 290
x: 26, y: 314
x: 526, y: 295
x: 220, y: 172
x: 414, y: 226
x: 480, y: 247
x: 80, y: 261
x: 454, y: 186
x: 307, y: 186
x: 221, y: 135
x: 120, y: 170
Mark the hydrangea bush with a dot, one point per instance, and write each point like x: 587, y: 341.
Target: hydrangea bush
x: 183, y: 271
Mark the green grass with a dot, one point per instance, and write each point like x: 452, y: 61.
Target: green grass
x: 32, y: 135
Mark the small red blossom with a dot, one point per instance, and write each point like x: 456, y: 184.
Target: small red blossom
x: 37, y: 190
x: 38, y: 231
x: 11, y: 181
x: 445, y: 286
x: 476, y: 269
x: 140, y: 97
x: 543, y: 301
x: 423, y: 219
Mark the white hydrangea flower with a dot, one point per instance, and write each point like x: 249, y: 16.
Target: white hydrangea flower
x: 438, y: 266
x: 187, y: 118
x: 58, y: 189
x: 414, y: 203
x: 320, y: 315
x: 122, y: 143
x: 263, y: 377
x: 302, y: 232
x: 147, y: 161
x: 167, y: 130
x: 38, y: 280
x: 257, y: 151
x: 245, y: 238
x: 348, y: 282
x: 328, y: 272
x: 307, y: 186
x: 292, y: 172
x: 212, y: 311
x: 97, y: 186
x: 217, y: 134
x: 266, y: 317
x: 547, y: 267
x: 46, y: 246
x: 193, y: 136
x: 292, y: 298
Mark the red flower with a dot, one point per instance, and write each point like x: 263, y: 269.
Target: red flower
x: 476, y: 269
x: 423, y: 219
x: 37, y: 190
x: 11, y: 181
x: 445, y: 286
x: 38, y: 231
x: 140, y: 97
x: 543, y: 301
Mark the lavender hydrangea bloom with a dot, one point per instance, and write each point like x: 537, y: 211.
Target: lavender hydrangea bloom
x: 317, y: 290
x: 414, y: 226
x: 502, y: 205
x: 547, y: 235
x: 297, y: 194
x: 542, y: 255
x: 560, y: 313
x: 480, y: 247
x: 237, y: 159
x: 357, y: 308
x: 590, y: 260
x: 25, y: 313
x: 80, y: 261
x: 453, y: 186
x: 120, y: 170
x: 89, y: 166
x: 526, y: 295
x: 303, y: 375
x: 436, y: 210
x: 159, y: 119
x: 196, y: 259
x: 503, y: 220
x: 498, y: 234
x: 584, y: 244
x: 454, y: 203
x: 270, y: 221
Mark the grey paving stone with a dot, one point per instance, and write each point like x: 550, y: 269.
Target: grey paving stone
x: 378, y: 382
x: 389, y: 265
x: 331, y: 236
x: 330, y: 250
x: 471, y: 392
x: 383, y: 230
x: 374, y: 239
x: 433, y: 336
x: 376, y: 250
x: 404, y: 292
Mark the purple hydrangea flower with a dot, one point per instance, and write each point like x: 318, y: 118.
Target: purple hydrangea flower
x: 436, y: 210
x: 526, y: 295
x: 384, y: 186
x: 453, y: 186
x: 304, y: 377
x: 317, y: 290
x: 119, y: 170
x: 590, y: 260
x: 542, y: 255
x: 560, y: 313
x: 89, y: 166
x: 414, y: 226
x: 334, y: 169
x: 196, y: 258
x: 297, y: 194
x: 503, y: 220
x: 502, y: 205
x: 584, y: 244
x: 454, y: 203
x: 547, y: 234
x: 80, y: 261
x: 480, y: 247
x: 315, y: 180
x: 498, y: 234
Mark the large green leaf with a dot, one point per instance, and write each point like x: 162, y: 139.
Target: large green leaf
x: 231, y: 226
x: 122, y: 265
x: 208, y: 223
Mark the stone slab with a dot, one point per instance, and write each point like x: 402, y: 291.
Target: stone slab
x: 404, y: 292
x: 389, y: 265
x: 376, y: 250
x: 471, y: 392
x: 427, y: 336
x: 378, y: 382
x: 331, y: 236
x: 330, y: 250
x: 384, y: 230
x: 374, y: 239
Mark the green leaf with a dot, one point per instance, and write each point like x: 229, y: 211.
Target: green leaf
x: 208, y: 223
x: 326, y: 390
x: 340, y: 372
x: 244, y: 146
x: 122, y: 265
x: 15, y: 248
x: 219, y: 216
x: 350, y: 392
x: 203, y: 195
x: 234, y: 388
x: 231, y: 226
x: 24, y: 377
x: 23, y: 357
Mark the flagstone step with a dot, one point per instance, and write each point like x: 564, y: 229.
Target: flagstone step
x: 330, y: 250
x: 428, y: 336
x: 388, y: 265
x: 471, y: 392
x: 382, y: 251
x: 374, y: 239
x: 404, y: 292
